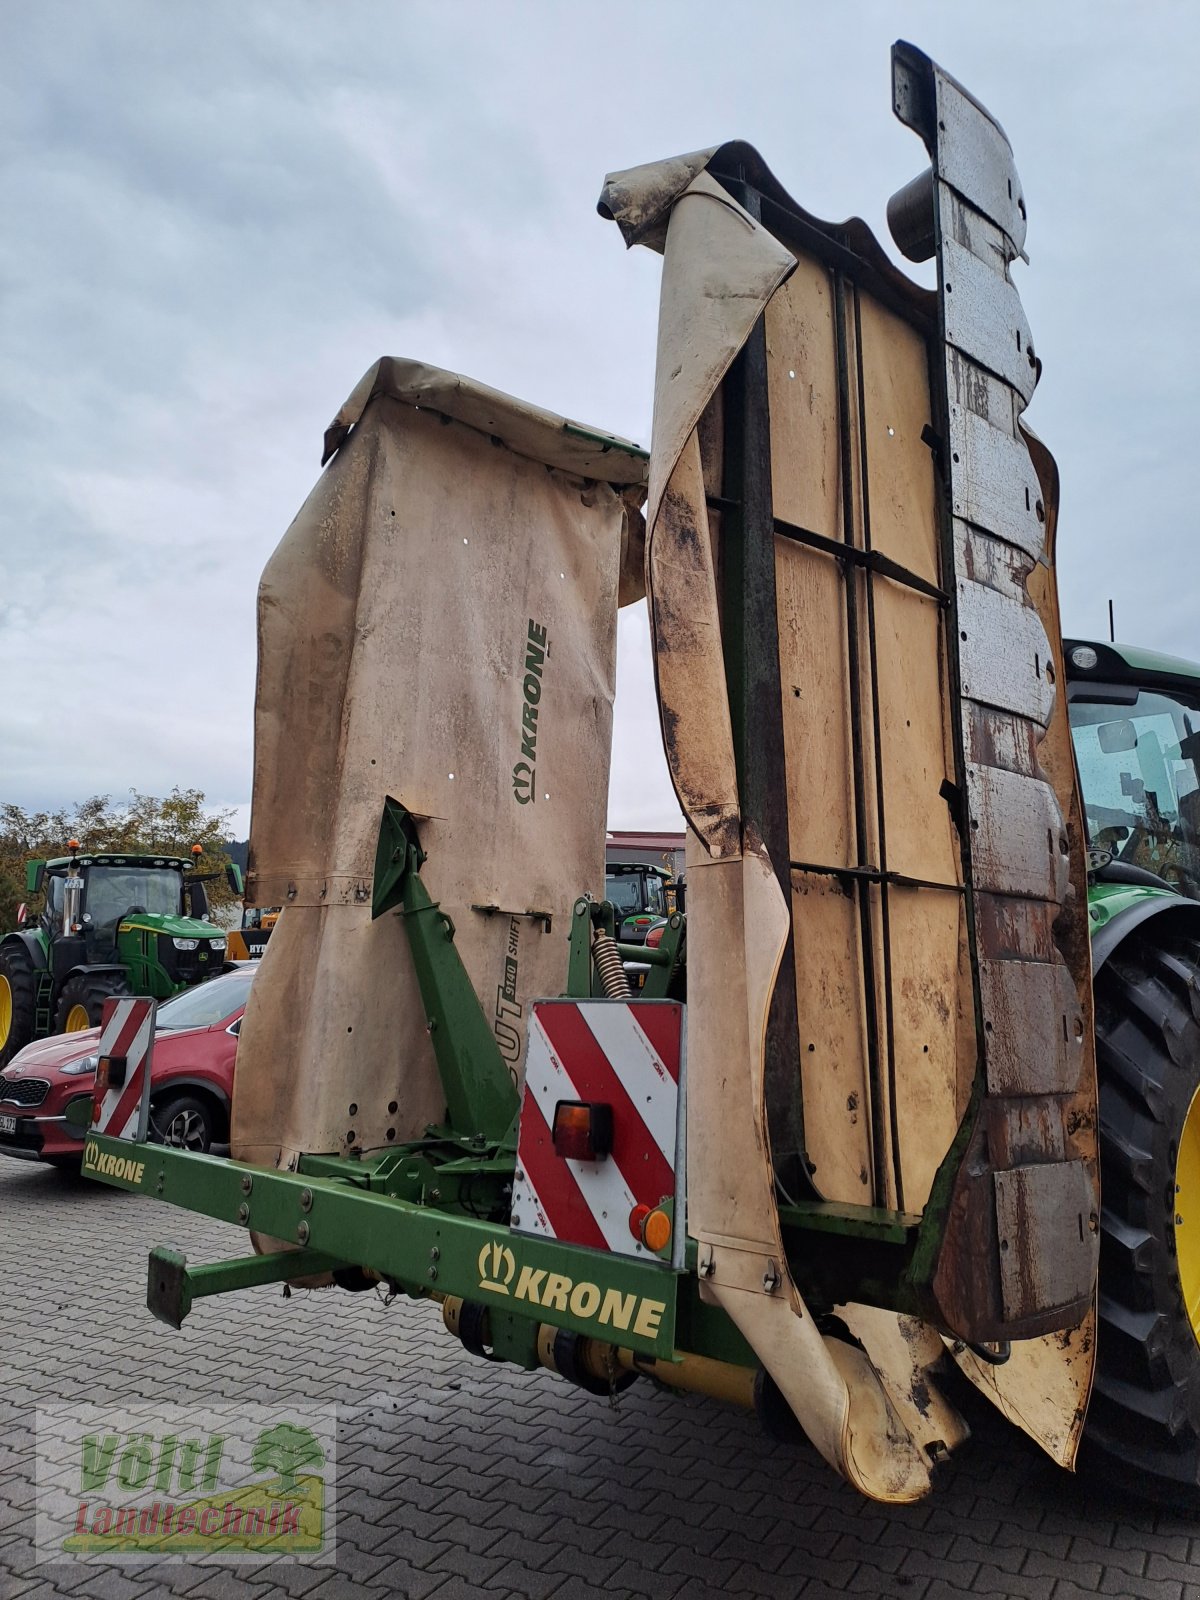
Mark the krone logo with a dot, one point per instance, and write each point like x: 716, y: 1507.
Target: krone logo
x: 496, y: 1268
x: 555, y: 1292
x: 524, y: 773
x: 522, y: 782
x: 106, y: 1166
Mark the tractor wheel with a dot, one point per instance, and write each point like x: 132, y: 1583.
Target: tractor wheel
x: 18, y: 1001
x: 82, y: 1000
x: 1143, y: 1423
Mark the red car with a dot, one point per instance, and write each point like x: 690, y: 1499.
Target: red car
x: 191, y: 1077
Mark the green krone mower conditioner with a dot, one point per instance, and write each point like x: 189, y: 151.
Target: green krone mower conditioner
x: 911, y: 1092
x: 111, y: 924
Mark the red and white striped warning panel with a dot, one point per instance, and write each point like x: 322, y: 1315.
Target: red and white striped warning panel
x: 121, y: 1097
x: 622, y: 1061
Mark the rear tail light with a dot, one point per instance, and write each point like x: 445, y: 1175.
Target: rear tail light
x: 110, y: 1073
x: 582, y: 1130
x: 100, y: 1087
x: 654, y: 937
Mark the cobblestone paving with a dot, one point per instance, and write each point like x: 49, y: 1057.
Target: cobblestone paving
x: 458, y: 1479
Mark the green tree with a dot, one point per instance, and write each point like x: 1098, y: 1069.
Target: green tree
x: 144, y: 824
x: 286, y: 1450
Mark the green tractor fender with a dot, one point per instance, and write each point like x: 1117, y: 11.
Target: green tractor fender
x: 91, y: 969
x: 25, y: 990
x: 1115, y: 910
x: 34, y: 942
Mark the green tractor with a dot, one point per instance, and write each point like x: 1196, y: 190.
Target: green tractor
x: 641, y: 895
x: 112, y: 924
x: 1135, y: 724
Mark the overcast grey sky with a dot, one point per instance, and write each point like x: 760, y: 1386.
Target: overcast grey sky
x: 217, y: 215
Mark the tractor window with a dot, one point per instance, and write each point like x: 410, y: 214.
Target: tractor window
x: 52, y: 888
x: 624, y: 889
x: 636, y: 891
x: 112, y: 891
x: 1139, y: 765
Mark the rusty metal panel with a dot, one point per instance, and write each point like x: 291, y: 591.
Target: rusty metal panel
x: 1018, y: 845
x: 1025, y: 1000
x: 985, y: 318
x: 1004, y: 653
x: 994, y: 484
x: 974, y: 156
x: 1044, y: 1213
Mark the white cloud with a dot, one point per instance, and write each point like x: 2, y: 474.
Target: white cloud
x: 217, y: 216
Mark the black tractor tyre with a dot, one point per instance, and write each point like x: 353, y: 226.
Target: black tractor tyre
x: 1143, y: 1423
x: 89, y: 990
x: 16, y: 969
x: 182, y: 1120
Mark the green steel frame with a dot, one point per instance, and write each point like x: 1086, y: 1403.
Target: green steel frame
x: 429, y: 1218
x: 381, y: 1220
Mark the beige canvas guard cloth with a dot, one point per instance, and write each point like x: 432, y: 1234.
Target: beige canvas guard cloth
x: 438, y: 624
x: 720, y: 269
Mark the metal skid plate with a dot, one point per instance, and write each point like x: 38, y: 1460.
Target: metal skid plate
x: 1038, y: 1211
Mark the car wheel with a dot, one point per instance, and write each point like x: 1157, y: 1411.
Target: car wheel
x: 183, y: 1121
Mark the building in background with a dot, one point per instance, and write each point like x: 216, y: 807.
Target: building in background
x: 650, y: 849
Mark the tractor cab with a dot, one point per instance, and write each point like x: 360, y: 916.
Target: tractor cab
x: 111, y: 888
x: 112, y: 923
x: 639, y: 895
x: 1135, y: 722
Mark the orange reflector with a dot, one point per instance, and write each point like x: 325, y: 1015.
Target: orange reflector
x: 99, y: 1087
x: 582, y: 1130
x: 656, y: 1230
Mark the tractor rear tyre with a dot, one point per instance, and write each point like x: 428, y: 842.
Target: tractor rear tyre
x: 1143, y: 1423
x: 82, y: 1000
x: 18, y: 1000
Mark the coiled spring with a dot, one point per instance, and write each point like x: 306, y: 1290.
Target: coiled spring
x: 610, y: 967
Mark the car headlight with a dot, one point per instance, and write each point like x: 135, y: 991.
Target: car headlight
x: 78, y: 1069
x: 185, y: 944
x: 217, y: 944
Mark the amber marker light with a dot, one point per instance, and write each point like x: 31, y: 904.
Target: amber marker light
x: 582, y: 1130
x: 656, y: 1230
x: 100, y: 1087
